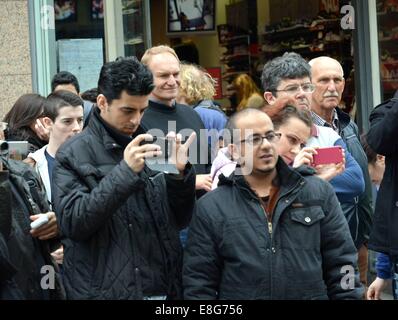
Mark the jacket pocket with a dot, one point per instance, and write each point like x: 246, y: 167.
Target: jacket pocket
x: 301, y: 228
x: 307, y: 216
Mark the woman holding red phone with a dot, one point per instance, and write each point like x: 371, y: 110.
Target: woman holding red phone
x: 295, y: 126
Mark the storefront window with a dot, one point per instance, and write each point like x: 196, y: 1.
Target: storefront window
x: 79, y: 33
x: 134, y: 29
x: 387, y: 20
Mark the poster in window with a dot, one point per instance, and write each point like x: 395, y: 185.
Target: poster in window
x: 97, y: 9
x: 65, y: 10
x: 190, y: 16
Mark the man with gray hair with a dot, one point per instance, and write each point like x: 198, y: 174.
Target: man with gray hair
x: 287, y: 80
x: 328, y: 78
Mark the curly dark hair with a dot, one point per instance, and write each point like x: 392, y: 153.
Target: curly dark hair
x: 124, y: 74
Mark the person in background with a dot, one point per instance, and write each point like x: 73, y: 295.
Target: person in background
x: 65, y: 80
x: 90, y: 95
x: 63, y: 118
x: 328, y: 77
x: 25, y: 251
x: 25, y: 121
x: 384, y: 266
x: 197, y: 90
x: 244, y: 88
x: 163, y: 110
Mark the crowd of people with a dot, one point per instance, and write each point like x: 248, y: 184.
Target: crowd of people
x: 236, y: 207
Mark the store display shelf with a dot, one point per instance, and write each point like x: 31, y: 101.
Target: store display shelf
x: 130, y: 11
x: 133, y: 41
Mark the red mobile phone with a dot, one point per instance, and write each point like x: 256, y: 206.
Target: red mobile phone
x: 328, y: 155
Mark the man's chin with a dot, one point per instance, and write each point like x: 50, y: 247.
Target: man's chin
x: 129, y: 132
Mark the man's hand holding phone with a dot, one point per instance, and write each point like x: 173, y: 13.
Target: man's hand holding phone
x: 44, y: 226
x: 137, y: 151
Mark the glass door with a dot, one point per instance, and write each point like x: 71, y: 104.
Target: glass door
x: 387, y: 21
x: 136, y: 27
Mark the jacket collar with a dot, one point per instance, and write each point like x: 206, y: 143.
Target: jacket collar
x: 288, y: 178
x: 344, y: 118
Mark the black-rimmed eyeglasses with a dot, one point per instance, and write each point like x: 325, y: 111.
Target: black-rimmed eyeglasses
x: 257, y: 140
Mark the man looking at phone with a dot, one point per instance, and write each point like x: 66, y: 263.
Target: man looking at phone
x: 120, y: 220
x: 328, y: 78
x: 268, y: 232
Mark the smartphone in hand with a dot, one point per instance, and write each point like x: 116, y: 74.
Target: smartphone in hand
x: 161, y: 163
x: 328, y: 155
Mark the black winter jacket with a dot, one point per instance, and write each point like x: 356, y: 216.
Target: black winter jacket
x: 26, y: 255
x: 120, y: 229
x: 360, y: 211
x: 382, y: 138
x: 232, y: 254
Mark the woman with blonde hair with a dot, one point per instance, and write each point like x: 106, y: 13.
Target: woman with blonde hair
x: 197, y: 90
x: 245, y: 88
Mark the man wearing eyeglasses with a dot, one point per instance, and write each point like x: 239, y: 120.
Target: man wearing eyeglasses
x: 328, y: 77
x: 268, y: 231
x: 287, y: 80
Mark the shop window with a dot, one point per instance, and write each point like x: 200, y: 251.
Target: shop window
x: 387, y: 21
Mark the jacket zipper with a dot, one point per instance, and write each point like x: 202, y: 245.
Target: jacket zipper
x: 269, y: 223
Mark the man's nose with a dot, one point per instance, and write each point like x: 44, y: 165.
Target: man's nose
x: 332, y: 86
x: 172, y: 80
x: 76, y: 126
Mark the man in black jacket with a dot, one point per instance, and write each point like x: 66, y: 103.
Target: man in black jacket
x: 268, y: 232
x: 328, y: 78
x: 382, y: 138
x: 120, y: 220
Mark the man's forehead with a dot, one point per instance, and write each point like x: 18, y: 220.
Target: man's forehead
x: 286, y: 82
x: 255, y: 122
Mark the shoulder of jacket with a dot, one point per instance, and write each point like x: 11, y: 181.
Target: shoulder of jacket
x: 387, y: 104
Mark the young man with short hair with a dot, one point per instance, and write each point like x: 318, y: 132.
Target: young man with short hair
x: 120, y: 220
x: 63, y: 118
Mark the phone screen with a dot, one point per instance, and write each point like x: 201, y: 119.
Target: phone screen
x: 161, y: 163
x: 18, y: 150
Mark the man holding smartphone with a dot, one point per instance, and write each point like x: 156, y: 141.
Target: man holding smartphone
x: 120, y: 220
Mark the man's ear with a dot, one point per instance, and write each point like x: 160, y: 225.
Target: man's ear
x: 47, y: 122
x: 269, y: 97
x: 102, y: 103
